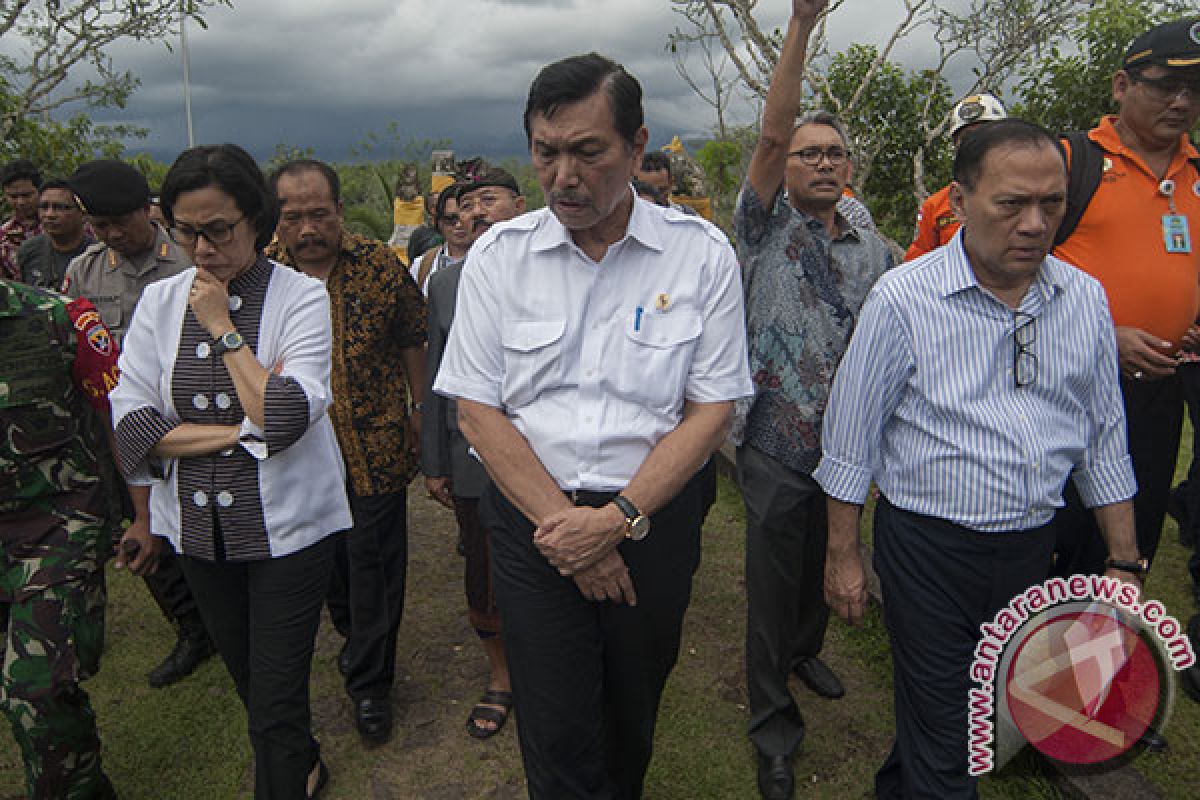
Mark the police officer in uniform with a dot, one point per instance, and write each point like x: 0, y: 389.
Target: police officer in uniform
x: 132, y: 253
x: 56, y: 516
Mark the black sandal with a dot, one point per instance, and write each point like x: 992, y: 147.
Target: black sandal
x: 483, y: 711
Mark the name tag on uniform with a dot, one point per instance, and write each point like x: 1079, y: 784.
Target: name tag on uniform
x: 1176, y: 235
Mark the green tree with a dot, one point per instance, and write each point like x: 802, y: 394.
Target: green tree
x: 54, y: 39
x: 1071, y: 87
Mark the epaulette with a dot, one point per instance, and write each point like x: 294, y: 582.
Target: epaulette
x: 673, y: 217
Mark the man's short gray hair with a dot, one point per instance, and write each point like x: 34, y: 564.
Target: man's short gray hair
x: 822, y: 117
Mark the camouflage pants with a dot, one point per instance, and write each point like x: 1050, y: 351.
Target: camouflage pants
x: 52, y: 615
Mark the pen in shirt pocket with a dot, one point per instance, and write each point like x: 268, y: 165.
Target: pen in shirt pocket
x: 637, y: 319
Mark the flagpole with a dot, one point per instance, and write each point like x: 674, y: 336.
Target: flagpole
x: 187, y: 84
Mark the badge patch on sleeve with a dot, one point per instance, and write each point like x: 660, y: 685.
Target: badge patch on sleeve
x: 87, y: 320
x: 98, y: 338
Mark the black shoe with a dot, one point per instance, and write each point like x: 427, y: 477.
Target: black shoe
x: 1189, y: 679
x: 818, y: 677
x: 775, y: 781
x: 373, y: 718
x: 105, y: 790
x: 191, y: 650
x: 343, y: 659
x: 1153, y: 741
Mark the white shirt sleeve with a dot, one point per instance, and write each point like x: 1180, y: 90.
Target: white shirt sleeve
x: 720, y: 368
x: 473, y: 365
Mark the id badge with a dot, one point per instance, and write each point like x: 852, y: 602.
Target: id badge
x: 1176, y: 235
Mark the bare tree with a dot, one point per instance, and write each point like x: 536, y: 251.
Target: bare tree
x: 987, y: 39
x: 59, y: 36
x: 716, y: 82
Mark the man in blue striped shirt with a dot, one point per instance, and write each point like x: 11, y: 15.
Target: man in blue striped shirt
x: 979, y: 377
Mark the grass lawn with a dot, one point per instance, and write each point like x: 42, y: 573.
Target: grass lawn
x: 188, y: 741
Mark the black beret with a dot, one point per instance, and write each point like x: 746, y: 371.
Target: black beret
x: 1175, y: 44
x: 109, y: 188
x: 495, y: 176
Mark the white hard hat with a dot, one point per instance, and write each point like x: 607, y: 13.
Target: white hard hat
x: 976, y: 108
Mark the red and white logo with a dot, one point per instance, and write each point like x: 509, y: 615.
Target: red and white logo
x: 1078, y: 667
x: 1084, y: 685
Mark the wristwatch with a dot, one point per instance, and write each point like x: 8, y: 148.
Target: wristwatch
x: 1138, y: 568
x: 637, y: 524
x: 228, y: 343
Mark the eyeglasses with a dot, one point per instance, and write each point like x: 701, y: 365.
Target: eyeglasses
x: 811, y: 156
x: 1168, y: 87
x: 217, y: 233
x: 60, y: 207
x: 485, y: 200
x: 1025, y: 362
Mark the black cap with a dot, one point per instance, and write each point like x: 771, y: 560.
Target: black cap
x: 493, y: 176
x: 109, y: 188
x: 1175, y: 44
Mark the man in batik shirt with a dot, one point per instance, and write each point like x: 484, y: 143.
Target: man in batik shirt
x: 378, y: 380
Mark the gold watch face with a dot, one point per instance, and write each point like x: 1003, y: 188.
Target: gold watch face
x: 639, y: 527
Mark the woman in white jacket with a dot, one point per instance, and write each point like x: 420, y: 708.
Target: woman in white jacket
x: 220, y: 408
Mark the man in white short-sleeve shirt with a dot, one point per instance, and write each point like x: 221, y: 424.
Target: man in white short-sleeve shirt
x: 597, y: 349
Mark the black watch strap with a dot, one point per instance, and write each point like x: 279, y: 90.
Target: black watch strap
x: 627, y: 507
x: 1139, y: 567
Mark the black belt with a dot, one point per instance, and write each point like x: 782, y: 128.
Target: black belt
x: 584, y: 497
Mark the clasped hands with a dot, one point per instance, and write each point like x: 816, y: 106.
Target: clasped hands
x: 581, y: 543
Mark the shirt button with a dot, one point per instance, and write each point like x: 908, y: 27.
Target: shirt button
x: 200, y: 402
x: 590, y: 373
x: 223, y: 401
x: 224, y: 499
x: 588, y: 420
x: 203, y: 350
x: 200, y: 499
x: 235, y: 303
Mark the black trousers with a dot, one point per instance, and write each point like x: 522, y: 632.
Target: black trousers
x: 940, y: 581
x: 1189, y: 374
x: 1154, y: 414
x: 169, y: 588
x: 587, y: 676
x: 263, y: 617
x: 366, y: 593
x: 786, y: 613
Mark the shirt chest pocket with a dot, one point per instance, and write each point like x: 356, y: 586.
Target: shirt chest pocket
x: 109, y: 306
x: 658, y: 353
x: 533, y: 359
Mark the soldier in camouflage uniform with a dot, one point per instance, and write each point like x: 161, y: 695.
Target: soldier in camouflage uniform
x: 56, y: 358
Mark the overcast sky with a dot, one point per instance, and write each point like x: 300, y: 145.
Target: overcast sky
x: 325, y: 73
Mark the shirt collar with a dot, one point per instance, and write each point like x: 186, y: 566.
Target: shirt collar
x: 958, y: 275
x: 843, y: 226
x: 253, y: 278
x: 1105, y: 134
x: 642, y: 227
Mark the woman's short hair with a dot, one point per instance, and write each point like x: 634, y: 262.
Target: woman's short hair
x: 232, y: 170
